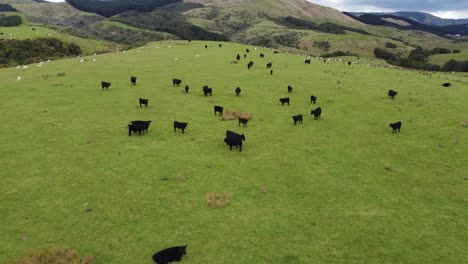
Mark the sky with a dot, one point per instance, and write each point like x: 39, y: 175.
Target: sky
x: 440, y: 8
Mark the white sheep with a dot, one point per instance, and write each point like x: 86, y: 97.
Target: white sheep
x: 94, y: 60
x: 25, y: 67
x: 81, y: 60
x: 18, y: 67
x: 19, y: 79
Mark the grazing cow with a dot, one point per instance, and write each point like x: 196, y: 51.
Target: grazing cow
x: 447, y: 84
x: 238, y: 57
x: 206, y: 46
x: 324, y: 61
x: 186, y: 88
x: 176, y: 82
x: 180, y: 125
x: 290, y: 89
x: 133, y: 80
x: 297, y: 119
x: 247, y: 50
x: 138, y: 126
x: 249, y: 65
x: 276, y: 52
x: 220, y: 45
x: 307, y: 61
x: 238, y: 90
x: 105, y: 85
x: 243, y: 121
x: 271, y: 72
x: 313, y: 99
x: 245, y: 56
x: 169, y: 255
x: 392, y: 94
x: 349, y: 63
x: 234, y: 139
x: 316, y: 112
x: 262, y: 55
x: 218, y: 109
x: 144, y: 102
x: 269, y: 65
x: 284, y: 100
x: 207, y: 90
x: 395, y: 126
x: 19, y: 79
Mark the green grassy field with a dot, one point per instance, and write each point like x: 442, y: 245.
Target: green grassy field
x: 342, y: 189
x: 443, y: 58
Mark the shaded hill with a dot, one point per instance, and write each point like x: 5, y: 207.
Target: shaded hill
x: 421, y: 17
x: 109, y: 8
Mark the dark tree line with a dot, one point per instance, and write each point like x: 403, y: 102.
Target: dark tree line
x: 112, y: 7
x: 10, y: 21
x: 418, y: 59
x: 17, y: 52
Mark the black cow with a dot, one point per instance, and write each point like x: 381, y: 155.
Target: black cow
x: 249, y: 65
x: 243, y: 121
x: 247, y: 50
x: 238, y: 90
x: 276, y: 52
x: 245, y: 56
x: 176, y: 82
x: 234, y: 139
x: 133, y: 80
x: 220, y: 45
x: 349, y: 63
x: 284, y: 100
x: 316, y: 112
x: 447, y: 84
x: 144, y: 102
x: 392, y: 94
x: 262, y: 55
x: 206, y: 46
x: 297, y: 119
x: 307, y: 61
x: 290, y: 89
x: 324, y: 61
x: 395, y: 126
x: 169, y: 255
x: 207, y: 90
x: 180, y: 125
x: 269, y: 65
x: 105, y: 85
x: 138, y: 126
x: 271, y: 72
x: 313, y: 99
x: 218, y: 109
x: 186, y: 88
x: 238, y: 57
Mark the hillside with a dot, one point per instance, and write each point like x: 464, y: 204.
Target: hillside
x: 421, y: 17
x: 339, y: 189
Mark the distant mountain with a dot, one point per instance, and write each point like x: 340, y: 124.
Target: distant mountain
x: 409, y: 24
x: 421, y: 17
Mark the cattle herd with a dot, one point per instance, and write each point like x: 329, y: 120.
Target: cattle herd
x: 233, y: 138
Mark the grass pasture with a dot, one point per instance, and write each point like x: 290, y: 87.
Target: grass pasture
x: 343, y: 189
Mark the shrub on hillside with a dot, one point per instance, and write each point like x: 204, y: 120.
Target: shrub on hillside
x: 10, y: 21
x: 440, y: 51
x: 55, y: 256
x: 323, y: 45
x: 457, y: 66
x: 339, y: 53
x: 390, y: 45
x: 456, y: 51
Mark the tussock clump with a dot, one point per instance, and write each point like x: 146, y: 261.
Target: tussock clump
x: 464, y: 124
x: 218, y: 200
x: 55, y: 256
x: 234, y: 114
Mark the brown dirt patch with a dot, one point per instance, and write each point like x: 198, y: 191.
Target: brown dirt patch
x: 217, y: 200
x: 234, y: 114
x: 55, y: 256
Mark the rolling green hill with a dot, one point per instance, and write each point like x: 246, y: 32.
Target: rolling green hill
x: 339, y: 189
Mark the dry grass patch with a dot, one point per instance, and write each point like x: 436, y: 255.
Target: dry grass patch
x: 234, y: 114
x: 55, y: 256
x: 218, y: 200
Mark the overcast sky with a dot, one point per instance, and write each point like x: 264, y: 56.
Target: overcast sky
x: 440, y: 8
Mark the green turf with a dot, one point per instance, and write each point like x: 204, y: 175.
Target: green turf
x: 343, y: 189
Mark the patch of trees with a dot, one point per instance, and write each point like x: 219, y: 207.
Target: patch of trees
x: 323, y: 45
x: 110, y: 8
x: 418, y: 59
x: 18, y: 52
x: 327, y: 27
x: 339, y: 53
x: 169, y: 19
x: 390, y: 45
x: 7, y: 8
x: 10, y: 21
